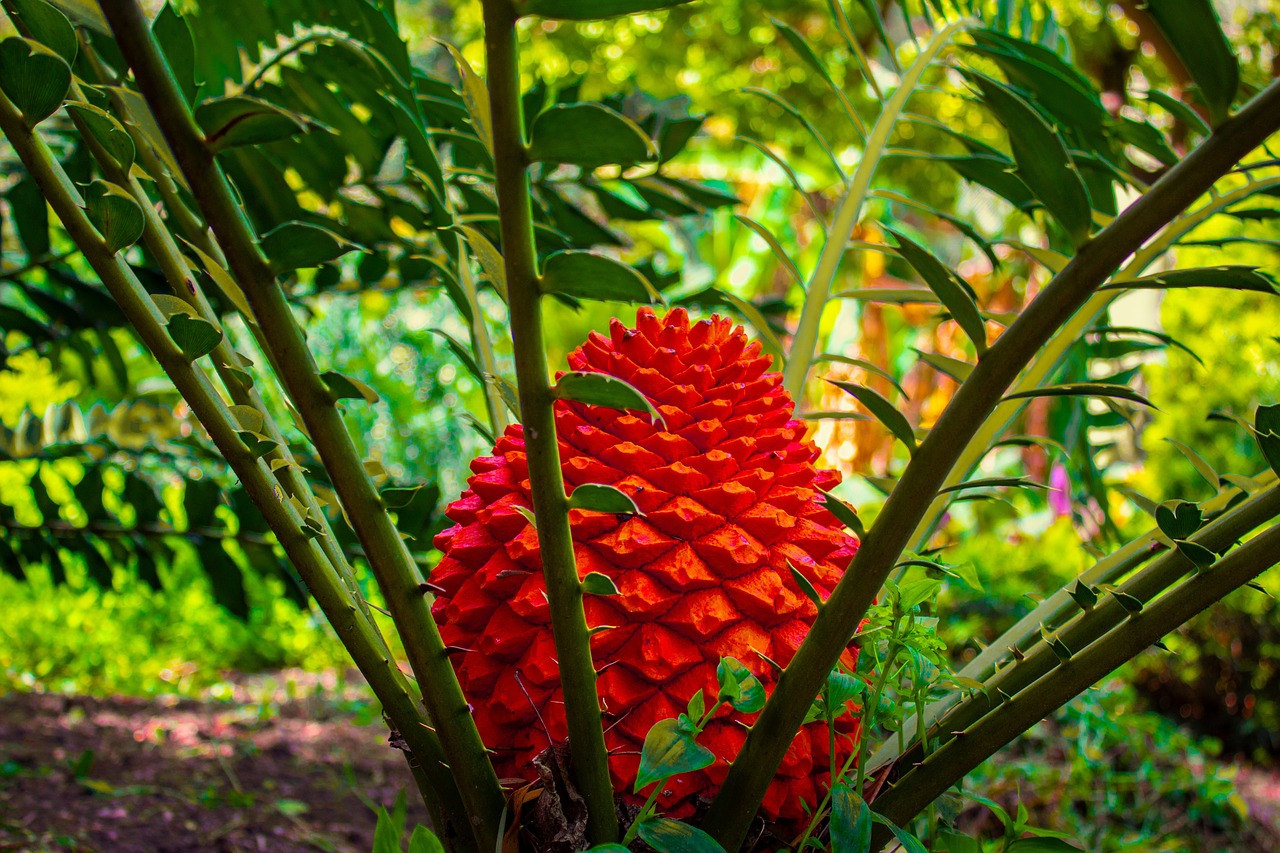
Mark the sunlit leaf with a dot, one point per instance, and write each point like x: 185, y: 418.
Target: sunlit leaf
x: 601, y: 389
x: 667, y: 752
x: 587, y: 275
x: 882, y: 409
x: 1196, y: 36
x: 588, y: 135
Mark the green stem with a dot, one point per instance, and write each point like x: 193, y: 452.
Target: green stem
x: 1069, y: 678
x: 182, y: 281
x: 744, y: 787
x: 555, y: 540
x: 817, y: 294
x: 1054, y: 610
x: 1055, y: 351
x: 388, y: 556
x: 356, y: 632
x: 1091, y: 625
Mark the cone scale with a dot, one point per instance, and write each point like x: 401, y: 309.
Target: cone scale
x: 729, y: 493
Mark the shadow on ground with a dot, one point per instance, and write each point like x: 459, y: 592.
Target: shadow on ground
x: 249, y: 774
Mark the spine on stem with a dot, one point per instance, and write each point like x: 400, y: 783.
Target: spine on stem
x: 389, y: 558
x: 551, y: 509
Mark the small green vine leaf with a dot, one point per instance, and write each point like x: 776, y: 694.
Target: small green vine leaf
x: 345, y: 388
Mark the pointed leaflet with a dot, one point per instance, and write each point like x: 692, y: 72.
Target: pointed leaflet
x: 890, y: 295
x: 587, y: 275
x: 241, y: 120
x: 844, y: 513
x: 671, y: 836
x: 489, y: 257
x: 667, y: 752
x: 862, y: 364
x: 1195, y: 34
x: 850, y: 820
x: 946, y: 365
x: 1043, y: 162
x: 811, y: 59
x: 950, y: 290
x: 1085, y: 389
x: 883, y: 410
x: 34, y: 77
x: 1231, y: 277
x: 475, y: 95
x: 588, y: 135
x: 603, y: 498
x: 601, y: 389
x: 424, y: 840
x: 774, y: 246
x: 173, y: 35
x: 1267, y: 432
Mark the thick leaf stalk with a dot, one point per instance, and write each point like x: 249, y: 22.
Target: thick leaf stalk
x: 358, y: 634
x: 550, y: 504
x: 728, y: 819
x: 954, y: 760
x: 388, y: 556
x: 1102, y: 618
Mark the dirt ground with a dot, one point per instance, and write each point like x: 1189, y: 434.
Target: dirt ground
x: 267, y: 768
x: 163, y: 776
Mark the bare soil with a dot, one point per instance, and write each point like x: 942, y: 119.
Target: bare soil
x: 129, y: 775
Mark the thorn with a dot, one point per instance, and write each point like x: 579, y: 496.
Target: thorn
x: 426, y: 587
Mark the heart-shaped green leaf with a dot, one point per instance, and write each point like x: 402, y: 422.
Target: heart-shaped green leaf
x: 47, y: 25
x: 115, y: 213
x: 603, y: 498
x: 588, y: 135
x: 194, y: 336
x: 107, y: 132
x: 597, y: 584
x: 345, y: 388
x: 34, y: 77
x: 298, y: 245
x: 1178, y: 519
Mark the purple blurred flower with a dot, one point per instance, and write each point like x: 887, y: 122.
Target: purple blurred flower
x: 1059, y: 490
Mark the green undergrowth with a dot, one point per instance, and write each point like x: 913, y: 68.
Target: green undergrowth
x: 132, y: 640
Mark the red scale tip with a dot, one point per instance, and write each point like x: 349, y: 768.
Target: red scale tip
x: 730, y: 491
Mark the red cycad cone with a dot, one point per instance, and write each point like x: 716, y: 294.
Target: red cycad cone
x: 729, y: 492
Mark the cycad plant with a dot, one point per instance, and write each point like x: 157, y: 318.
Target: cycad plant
x: 648, y: 609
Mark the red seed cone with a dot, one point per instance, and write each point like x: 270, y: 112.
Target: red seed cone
x: 729, y: 492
